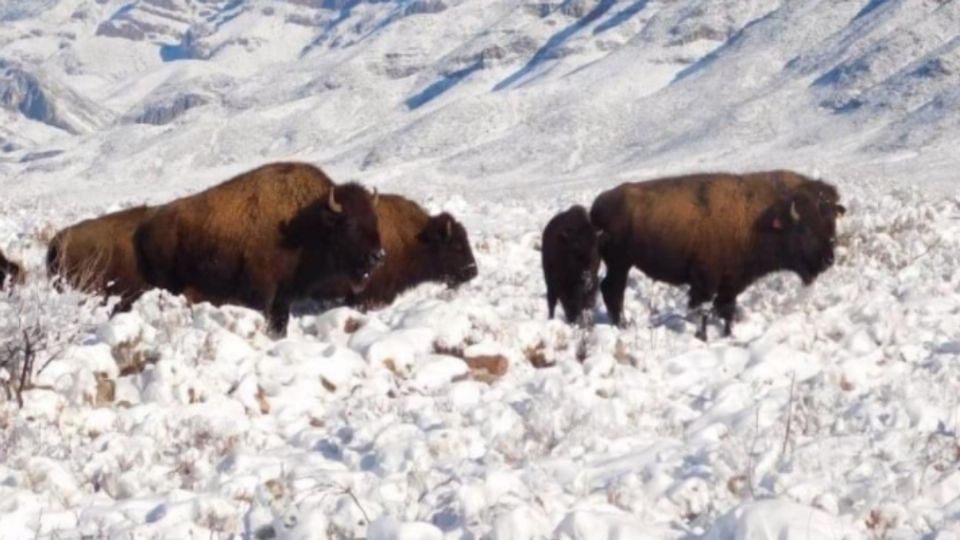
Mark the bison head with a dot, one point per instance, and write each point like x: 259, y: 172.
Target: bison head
x: 338, y: 235
x: 806, y: 233
x: 448, y: 250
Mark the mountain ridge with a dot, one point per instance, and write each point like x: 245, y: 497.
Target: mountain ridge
x: 529, y: 93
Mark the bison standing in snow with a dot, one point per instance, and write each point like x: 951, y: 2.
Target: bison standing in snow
x: 570, y: 258
x: 9, y: 269
x: 262, y: 239
x: 717, y: 233
x: 97, y: 255
x: 419, y: 248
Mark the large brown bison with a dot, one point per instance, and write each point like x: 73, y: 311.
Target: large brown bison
x: 9, y: 269
x: 571, y: 258
x: 97, y: 255
x: 717, y: 233
x: 419, y: 248
x: 262, y: 239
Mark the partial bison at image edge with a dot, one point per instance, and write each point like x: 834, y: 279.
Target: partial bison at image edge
x: 419, y: 248
x: 571, y: 258
x: 717, y: 233
x: 262, y: 239
x: 9, y: 269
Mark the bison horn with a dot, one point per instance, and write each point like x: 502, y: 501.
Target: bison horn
x: 449, y: 228
x: 794, y: 215
x: 334, y: 205
x: 376, y: 196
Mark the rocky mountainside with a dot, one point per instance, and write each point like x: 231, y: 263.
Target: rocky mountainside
x: 513, y: 92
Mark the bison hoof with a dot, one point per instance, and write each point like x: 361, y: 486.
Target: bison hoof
x: 701, y: 335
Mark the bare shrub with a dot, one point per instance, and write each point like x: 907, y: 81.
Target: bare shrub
x: 37, y: 325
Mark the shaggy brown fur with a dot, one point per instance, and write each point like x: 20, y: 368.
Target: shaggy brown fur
x: 570, y: 256
x: 262, y: 239
x: 419, y: 248
x: 9, y: 269
x: 97, y: 255
x: 717, y: 233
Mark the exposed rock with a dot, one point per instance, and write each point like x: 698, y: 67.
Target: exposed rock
x: 162, y: 113
x: 418, y: 7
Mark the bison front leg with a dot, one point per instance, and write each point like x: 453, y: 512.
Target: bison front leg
x: 612, y: 288
x: 278, y: 311
x: 551, y: 302
x: 572, y: 308
x: 126, y: 302
x: 725, y: 304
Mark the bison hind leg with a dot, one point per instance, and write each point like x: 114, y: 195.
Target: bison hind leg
x: 612, y: 289
x: 699, y: 295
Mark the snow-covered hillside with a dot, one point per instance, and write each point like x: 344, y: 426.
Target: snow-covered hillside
x: 831, y: 413
x: 140, y: 93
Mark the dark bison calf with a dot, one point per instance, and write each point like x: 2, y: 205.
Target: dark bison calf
x: 419, y: 248
x: 262, y: 239
x: 97, y: 255
x: 9, y: 269
x: 571, y: 258
x: 717, y: 233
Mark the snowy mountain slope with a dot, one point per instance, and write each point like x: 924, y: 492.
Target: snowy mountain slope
x: 396, y: 91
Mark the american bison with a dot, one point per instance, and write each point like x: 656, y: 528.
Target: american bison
x: 717, y: 233
x: 571, y: 258
x: 262, y: 239
x: 419, y: 248
x: 9, y: 269
x: 97, y: 255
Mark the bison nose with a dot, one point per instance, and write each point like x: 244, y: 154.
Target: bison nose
x: 377, y: 257
x: 828, y: 260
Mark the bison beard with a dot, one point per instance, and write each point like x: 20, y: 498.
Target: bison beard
x: 717, y: 233
x: 262, y: 239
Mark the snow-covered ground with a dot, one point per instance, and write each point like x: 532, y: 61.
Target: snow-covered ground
x: 832, y: 412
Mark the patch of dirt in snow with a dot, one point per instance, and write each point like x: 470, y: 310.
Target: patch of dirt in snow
x: 831, y: 413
